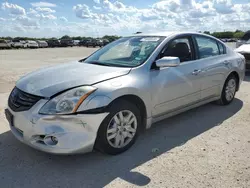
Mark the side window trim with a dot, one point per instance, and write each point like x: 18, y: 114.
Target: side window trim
x: 223, y: 47
x: 192, y: 47
x: 219, y: 48
x: 196, y: 49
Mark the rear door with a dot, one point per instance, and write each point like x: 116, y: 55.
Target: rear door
x: 214, y: 64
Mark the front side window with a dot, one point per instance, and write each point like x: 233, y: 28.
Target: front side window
x: 126, y: 52
x: 178, y: 48
x: 207, y: 47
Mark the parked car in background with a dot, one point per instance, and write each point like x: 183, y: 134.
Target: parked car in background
x: 243, y: 40
x: 67, y: 42
x: 82, y: 42
x: 17, y: 44
x: 99, y: 42
x: 105, y: 42
x: 30, y: 44
x: 232, y: 40
x: 105, y: 100
x: 93, y: 43
x: 42, y: 44
x: 90, y: 42
x: 4, y: 44
x: 54, y: 43
x: 76, y: 42
x: 244, y: 49
x: 223, y: 40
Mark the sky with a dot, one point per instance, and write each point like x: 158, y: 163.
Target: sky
x: 95, y: 18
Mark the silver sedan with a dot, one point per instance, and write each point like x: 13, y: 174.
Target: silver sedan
x: 105, y: 100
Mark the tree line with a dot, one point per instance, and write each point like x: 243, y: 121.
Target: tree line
x: 227, y: 34
x: 108, y: 37
x: 222, y: 35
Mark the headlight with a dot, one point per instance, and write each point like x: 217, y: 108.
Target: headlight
x: 67, y: 102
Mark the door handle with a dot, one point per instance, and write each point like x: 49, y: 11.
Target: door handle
x: 196, y: 72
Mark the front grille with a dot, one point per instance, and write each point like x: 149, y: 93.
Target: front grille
x: 21, y: 101
x: 247, y: 56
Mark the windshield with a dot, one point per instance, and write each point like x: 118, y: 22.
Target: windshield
x: 125, y: 52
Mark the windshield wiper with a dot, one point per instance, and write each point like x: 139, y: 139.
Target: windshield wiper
x: 99, y: 63
x: 106, y: 64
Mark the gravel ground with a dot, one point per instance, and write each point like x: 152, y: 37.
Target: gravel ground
x: 205, y: 147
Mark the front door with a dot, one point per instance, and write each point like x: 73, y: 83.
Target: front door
x: 176, y: 87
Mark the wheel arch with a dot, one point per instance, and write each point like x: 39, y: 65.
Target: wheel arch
x: 134, y: 99
x: 237, y: 76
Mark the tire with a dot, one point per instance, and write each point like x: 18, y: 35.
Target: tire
x: 104, y: 144
x: 226, y: 99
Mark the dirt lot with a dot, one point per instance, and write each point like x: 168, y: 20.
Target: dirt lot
x: 205, y: 147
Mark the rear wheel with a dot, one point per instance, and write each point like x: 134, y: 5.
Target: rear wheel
x: 229, y: 90
x: 119, y: 129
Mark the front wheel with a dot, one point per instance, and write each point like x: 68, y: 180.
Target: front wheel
x: 229, y: 90
x: 119, y: 129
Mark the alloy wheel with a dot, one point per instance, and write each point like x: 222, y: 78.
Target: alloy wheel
x: 230, y: 89
x: 122, y: 129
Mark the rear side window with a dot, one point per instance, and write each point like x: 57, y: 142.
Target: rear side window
x: 221, y: 48
x: 207, y: 47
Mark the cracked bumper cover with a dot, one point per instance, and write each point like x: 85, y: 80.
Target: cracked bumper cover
x: 75, y: 133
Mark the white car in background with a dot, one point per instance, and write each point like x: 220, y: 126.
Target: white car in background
x: 31, y: 44
x: 76, y: 42
x: 17, y: 44
x: 245, y: 51
x: 243, y: 40
x: 5, y: 44
x: 42, y: 44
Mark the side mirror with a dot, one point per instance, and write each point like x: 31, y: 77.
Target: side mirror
x: 168, y: 62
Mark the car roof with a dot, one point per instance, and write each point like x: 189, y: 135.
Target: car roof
x: 162, y: 34
x: 168, y: 33
x: 173, y: 33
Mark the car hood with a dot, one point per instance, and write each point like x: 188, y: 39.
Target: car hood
x: 49, y: 81
x: 245, y: 48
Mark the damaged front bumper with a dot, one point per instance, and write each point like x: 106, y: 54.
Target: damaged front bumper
x: 58, y: 134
